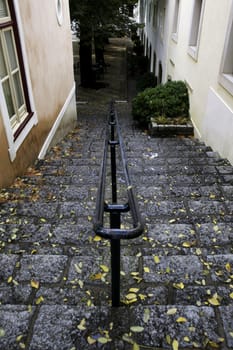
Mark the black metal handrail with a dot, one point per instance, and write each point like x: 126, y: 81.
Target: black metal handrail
x: 115, y: 233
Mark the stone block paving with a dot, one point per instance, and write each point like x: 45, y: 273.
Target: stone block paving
x: 176, y: 279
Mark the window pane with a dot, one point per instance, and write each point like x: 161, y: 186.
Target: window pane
x: 8, y: 97
x: 3, y: 71
x: 11, y: 49
x: 18, y: 90
x: 3, y: 9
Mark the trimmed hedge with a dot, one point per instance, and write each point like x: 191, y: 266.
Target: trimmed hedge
x: 170, y: 100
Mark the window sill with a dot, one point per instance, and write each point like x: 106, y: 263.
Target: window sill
x: 193, y: 52
x: 226, y: 80
x: 175, y: 37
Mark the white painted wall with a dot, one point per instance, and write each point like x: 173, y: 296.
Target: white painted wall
x: 211, y: 105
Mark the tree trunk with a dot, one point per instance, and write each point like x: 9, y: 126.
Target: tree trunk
x: 87, y: 76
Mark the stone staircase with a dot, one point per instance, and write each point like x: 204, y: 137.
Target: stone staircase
x: 176, y: 279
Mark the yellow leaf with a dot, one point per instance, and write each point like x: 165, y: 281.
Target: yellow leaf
x: 35, y: 284
x: 181, y: 319
x: 146, y: 315
x: 9, y: 280
x: 131, y: 296
x: 39, y: 300
x: 228, y: 267
x: 175, y: 344
x: 168, y: 339
x: 97, y: 239
x: 136, y: 346
x: 142, y: 296
x: 231, y: 334
x: 231, y: 295
x: 214, y: 300
x: 146, y: 269
x: 187, y: 244
x: 187, y: 339
x: 137, y: 329
x: 172, y: 311
x: 103, y: 340
x: 178, y: 285
x: 104, y: 268
x: 81, y: 325
x: 213, y: 344
x: 90, y: 340
x: 2, y: 332
x: 156, y: 259
x: 134, y: 290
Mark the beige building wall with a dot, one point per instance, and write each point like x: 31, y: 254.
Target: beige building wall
x: 48, y: 46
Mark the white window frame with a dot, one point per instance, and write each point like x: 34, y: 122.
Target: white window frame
x: 176, y: 19
x: 13, y: 143
x: 226, y: 67
x: 196, y: 26
x: 59, y: 11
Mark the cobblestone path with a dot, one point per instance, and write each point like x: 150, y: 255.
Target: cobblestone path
x: 176, y: 279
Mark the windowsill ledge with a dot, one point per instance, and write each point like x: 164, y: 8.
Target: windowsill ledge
x: 226, y: 80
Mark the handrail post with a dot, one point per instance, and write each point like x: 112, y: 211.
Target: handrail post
x: 115, y: 233
x: 115, y: 217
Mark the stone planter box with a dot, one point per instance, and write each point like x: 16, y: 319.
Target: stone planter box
x: 164, y: 130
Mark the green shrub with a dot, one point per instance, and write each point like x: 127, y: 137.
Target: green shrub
x: 170, y: 100
x: 145, y: 81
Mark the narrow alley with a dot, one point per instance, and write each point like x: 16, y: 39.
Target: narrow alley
x: 176, y: 279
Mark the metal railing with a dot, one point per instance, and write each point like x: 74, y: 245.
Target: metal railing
x: 115, y: 233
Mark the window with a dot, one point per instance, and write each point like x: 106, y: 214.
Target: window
x: 194, y: 37
x: 226, y: 70
x: 155, y: 15
x: 15, y: 102
x: 59, y: 11
x: 176, y: 20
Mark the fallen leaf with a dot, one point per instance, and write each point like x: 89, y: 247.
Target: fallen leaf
x: 214, y: 300
x: 181, y: 319
x: 81, y: 325
x: 103, y: 340
x: 178, y: 285
x: 228, y: 267
x: 39, y: 300
x: 131, y: 296
x: 97, y: 239
x: 146, y: 269
x: 156, y: 259
x: 136, y: 346
x: 146, y: 315
x: 35, y: 284
x: 175, y: 344
x: 104, y: 268
x: 137, y: 329
x: 90, y: 340
x: 172, y: 311
x: 2, y: 332
x: 134, y: 290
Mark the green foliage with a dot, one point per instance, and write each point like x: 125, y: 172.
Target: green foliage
x: 145, y: 81
x: 170, y: 100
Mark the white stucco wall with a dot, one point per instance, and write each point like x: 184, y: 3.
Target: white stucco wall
x: 211, y: 105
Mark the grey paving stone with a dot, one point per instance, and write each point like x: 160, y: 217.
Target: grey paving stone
x: 14, y: 325
x: 7, y: 263
x: 161, y: 326
x: 227, y: 317
x: 42, y: 268
x: 173, y: 269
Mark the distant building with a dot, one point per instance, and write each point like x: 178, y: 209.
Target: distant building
x: 37, y: 90
x: 193, y: 41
